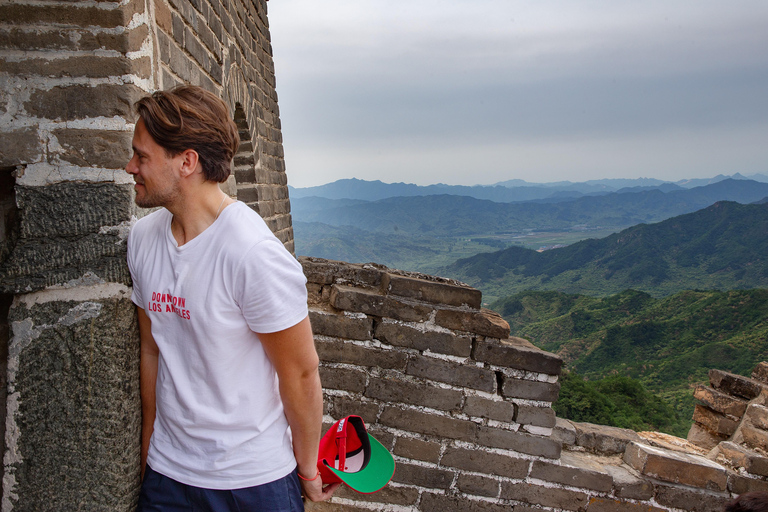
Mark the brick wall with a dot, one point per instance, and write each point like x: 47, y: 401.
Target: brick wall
x: 466, y: 410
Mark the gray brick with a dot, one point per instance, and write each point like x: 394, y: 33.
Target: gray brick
x: 95, y: 148
x: 442, y: 503
x: 417, y: 449
x: 343, y: 378
x: 519, y: 442
x: 371, y: 303
x: 480, y: 461
x: 432, y: 478
x: 406, y: 336
x: 530, y: 390
x: 340, y: 325
x: 574, y: 470
x: 18, y: 147
x: 393, y: 390
x: 544, y: 496
x: 720, y: 402
x: 628, y: 484
x: 389, y: 495
x: 341, y: 406
x: 690, y: 499
x: 603, y: 439
x: 452, y: 373
x: 612, y: 505
x: 537, y: 416
x: 449, y: 293
x: 519, y: 354
x: 713, y: 421
x: 676, y: 467
x: 81, y: 102
x: 484, y: 322
x: 318, y: 270
x: 338, y: 351
x: 733, y: 384
x: 478, y: 485
x: 423, y: 423
x: 499, y: 410
x: 739, y: 484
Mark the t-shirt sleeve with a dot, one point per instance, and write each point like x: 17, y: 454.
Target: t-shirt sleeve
x: 136, y: 296
x: 270, y: 288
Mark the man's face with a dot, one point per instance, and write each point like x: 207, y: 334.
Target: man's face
x: 155, y: 173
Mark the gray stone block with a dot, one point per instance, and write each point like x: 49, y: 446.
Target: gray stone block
x: 479, y: 461
x: 432, y: 478
x: 435, y: 292
x: 401, y: 335
x: 574, y: 470
x: 82, y: 102
x: 560, y: 499
x: 518, y: 442
x: 393, y: 390
x: 340, y: 325
x: 519, y: 354
x: 484, y: 322
x: 603, y: 439
x: 417, y: 449
x: 463, y: 375
x: 530, y: 390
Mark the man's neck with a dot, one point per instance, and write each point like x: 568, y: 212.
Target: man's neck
x: 194, y: 213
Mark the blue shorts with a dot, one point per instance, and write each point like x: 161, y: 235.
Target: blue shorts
x: 162, y: 494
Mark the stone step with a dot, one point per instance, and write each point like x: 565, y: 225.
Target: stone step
x: 736, y: 385
x: 714, y: 422
x: 740, y: 457
x: 676, y: 467
x: 720, y: 402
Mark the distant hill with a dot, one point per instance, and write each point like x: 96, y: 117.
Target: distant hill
x: 449, y: 215
x: 668, y: 344
x: 724, y: 246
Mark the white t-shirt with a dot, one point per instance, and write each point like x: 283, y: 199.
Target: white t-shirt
x: 220, y: 422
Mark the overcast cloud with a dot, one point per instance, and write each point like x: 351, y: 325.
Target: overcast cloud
x: 481, y: 91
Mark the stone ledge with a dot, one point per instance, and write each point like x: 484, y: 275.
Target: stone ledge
x: 602, y: 439
x: 575, y: 470
x: 324, y: 271
x: 720, y: 402
x: 401, y: 335
x: 519, y: 354
x: 714, y: 422
x: 740, y: 456
x: 431, y: 291
x: 339, y: 325
x: 676, y: 467
x: 733, y: 384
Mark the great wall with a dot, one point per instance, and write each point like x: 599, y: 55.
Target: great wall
x: 465, y: 409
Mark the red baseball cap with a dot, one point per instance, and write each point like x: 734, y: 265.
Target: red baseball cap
x: 349, y: 454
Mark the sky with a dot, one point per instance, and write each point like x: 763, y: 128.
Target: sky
x: 476, y: 92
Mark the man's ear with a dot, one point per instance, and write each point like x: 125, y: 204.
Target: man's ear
x: 190, y: 161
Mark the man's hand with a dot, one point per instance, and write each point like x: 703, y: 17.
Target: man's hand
x: 314, y: 490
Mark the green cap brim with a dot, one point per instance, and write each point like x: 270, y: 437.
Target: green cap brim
x: 378, y: 472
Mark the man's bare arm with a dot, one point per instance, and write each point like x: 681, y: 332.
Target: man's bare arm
x: 292, y: 352
x: 148, y: 381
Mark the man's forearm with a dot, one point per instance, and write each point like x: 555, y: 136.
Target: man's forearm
x: 303, y: 402
x: 147, y: 383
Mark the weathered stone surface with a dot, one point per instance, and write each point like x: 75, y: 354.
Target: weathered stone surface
x: 628, y: 484
x: 757, y: 415
x: 81, y: 102
x: 73, y: 39
x: 751, y: 436
x: 700, y: 436
x: 337, y: 351
x: 537, y: 416
x: 741, y: 456
x: 530, y: 390
x: 68, y: 14
x: 519, y: 354
x: 75, y: 382
x: 323, y: 271
x: 452, y: 373
x: 432, y: 478
x: 66, y: 231
x: 479, y: 461
x: 339, y: 325
x: 424, y: 423
x: 499, y: 410
x: 89, y: 66
x: 689, y: 499
x: 739, y: 484
x: 94, y: 148
x: 331, y: 506
x: 676, y: 467
x: 575, y: 470
x: 431, y: 291
x: 564, y: 432
x: 393, y: 390
x: 18, y: 147
x: 372, y: 303
x: 417, y: 449
x: 720, y: 402
x: 733, y: 384
x: 343, y: 378
x: 441, y: 503
x: 388, y: 495
x: 402, y: 335
x: 484, y: 322
x: 545, y: 496
x: 478, y: 485
x: 612, y: 505
x: 603, y: 439
x: 713, y: 421
x: 760, y: 372
x: 518, y: 442
x: 341, y: 406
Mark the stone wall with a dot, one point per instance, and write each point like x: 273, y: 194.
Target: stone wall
x: 69, y: 74
x: 466, y: 410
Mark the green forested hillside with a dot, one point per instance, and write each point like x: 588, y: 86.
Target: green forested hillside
x: 724, y: 246
x: 669, y: 344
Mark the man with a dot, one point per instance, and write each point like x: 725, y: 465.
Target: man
x: 228, y: 362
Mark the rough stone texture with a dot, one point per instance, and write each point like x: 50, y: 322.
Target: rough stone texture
x: 402, y: 335
x: 676, y: 467
x: 628, y: 484
x: 603, y: 439
x: 494, y: 409
x: 575, y: 470
x: 733, y: 384
x: 441, y: 503
x: 393, y: 390
x: 75, y: 381
x: 452, y: 373
x: 611, y: 505
x: 519, y: 354
x: 484, y: 322
x: 530, y: 390
x: 739, y: 484
x: 323, y: 271
x: 741, y: 456
x: 714, y: 422
x: 340, y: 325
x: 477, y: 485
x: 18, y: 147
x: 751, y: 436
x: 537, y: 416
x: 429, y: 291
x: 760, y: 372
x: 700, y: 436
x: 518, y: 442
x: 390, y: 494
x: 565, y: 432
x: 686, y: 498
x: 375, y: 304
x: 417, y: 449
x: 560, y: 499
x: 431, y: 478
x: 485, y: 462
x: 439, y: 426
x: 757, y: 415
x: 339, y: 351
x: 720, y: 402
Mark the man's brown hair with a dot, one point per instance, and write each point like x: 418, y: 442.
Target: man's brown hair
x: 755, y: 501
x: 189, y: 117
